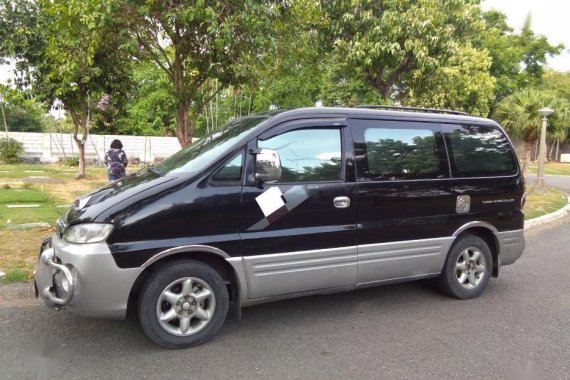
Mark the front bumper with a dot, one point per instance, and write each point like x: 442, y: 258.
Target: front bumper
x: 84, y: 278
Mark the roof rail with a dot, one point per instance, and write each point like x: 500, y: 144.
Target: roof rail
x: 414, y: 109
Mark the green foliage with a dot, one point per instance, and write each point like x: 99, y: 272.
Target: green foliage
x: 66, y: 50
x: 519, y: 114
x: 193, y: 41
x: 389, y: 40
x: 462, y: 83
x: 10, y: 150
x: 70, y: 161
x: 517, y: 59
x: 151, y: 109
x: 22, y: 114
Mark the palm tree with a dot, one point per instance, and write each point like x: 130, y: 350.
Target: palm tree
x: 518, y: 113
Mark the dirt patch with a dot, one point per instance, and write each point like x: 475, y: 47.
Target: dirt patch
x: 19, y: 249
x: 68, y: 191
x: 41, y: 180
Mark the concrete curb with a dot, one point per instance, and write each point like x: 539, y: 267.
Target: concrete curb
x: 548, y: 217
x: 22, y: 290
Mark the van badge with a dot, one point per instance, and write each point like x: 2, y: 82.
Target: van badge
x: 463, y: 204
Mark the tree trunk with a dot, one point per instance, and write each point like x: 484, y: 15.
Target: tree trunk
x: 81, y: 151
x: 183, y: 130
x: 557, y: 157
x: 80, y: 121
x: 527, y: 154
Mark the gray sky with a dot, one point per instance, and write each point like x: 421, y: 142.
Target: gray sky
x: 549, y: 18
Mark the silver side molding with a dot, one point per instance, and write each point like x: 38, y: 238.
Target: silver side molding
x: 185, y: 248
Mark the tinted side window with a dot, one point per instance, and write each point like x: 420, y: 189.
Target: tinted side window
x: 479, y: 151
x: 398, y: 151
x: 308, y: 155
x: 231, y: 171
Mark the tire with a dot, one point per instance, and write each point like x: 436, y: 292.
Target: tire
x: 467, y: 269
x: 183, y: 304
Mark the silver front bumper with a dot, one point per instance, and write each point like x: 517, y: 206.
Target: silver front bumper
x: 54, y: 281
x: 84, y: 278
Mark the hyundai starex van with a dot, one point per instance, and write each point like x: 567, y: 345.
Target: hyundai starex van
x: 286, y: 204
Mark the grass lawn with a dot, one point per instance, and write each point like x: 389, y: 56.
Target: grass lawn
x: 50, y: 186
x: 537, y: 205
x: 552, y: 168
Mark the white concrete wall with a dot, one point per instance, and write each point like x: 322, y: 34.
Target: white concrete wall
x: 50, y: 147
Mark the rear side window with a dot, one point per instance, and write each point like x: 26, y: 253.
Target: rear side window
x: 479, y: 151
x: 393, y: 150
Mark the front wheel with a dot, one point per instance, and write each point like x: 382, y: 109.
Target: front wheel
x: 467, y: 269
x: 183, y: 304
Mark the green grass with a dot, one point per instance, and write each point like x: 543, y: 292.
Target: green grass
x: 16, y: 275
x: 552, y: 168
x: 46, y: 212
x: 20, y: 171
x: 538, y: 205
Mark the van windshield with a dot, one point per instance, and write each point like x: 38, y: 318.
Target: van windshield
x: 198, y: 156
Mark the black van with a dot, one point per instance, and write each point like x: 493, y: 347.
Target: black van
x: 286, y: 204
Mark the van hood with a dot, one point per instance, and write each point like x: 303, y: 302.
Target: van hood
x: 88, y: 207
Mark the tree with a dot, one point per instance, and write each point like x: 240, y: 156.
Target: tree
x: 193, y: 41
x: 22, y: 114
x: 392, y: 41
x: 291, y: 74
x: 519, y: 114
x: 517, y: 59
x: 66, y: 50
x: 462, y: 83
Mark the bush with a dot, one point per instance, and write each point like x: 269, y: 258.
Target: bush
x: 70, y: 161
x: 10, y: 150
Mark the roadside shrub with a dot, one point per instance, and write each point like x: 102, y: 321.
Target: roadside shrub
x: 70, y: 161
x: 10, y: 150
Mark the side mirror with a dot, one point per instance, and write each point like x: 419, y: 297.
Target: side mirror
x: 268, y: 166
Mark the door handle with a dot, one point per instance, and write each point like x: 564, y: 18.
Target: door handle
x: 341, y: 202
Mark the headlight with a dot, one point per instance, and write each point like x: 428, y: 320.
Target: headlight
x: 88, y: 233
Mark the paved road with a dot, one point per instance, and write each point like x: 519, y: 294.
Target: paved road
x: 518, y: 329
x: 559, y: 181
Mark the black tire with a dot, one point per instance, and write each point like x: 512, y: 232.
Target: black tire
x: 205, y: 280
x: 450, y: 278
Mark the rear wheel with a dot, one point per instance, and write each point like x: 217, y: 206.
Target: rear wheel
x: 183, y: 304
x: 467, y: 268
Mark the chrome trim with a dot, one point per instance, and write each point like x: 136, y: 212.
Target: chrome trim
x: 396, y: 260
x: 47, y: 258
x: 511, y: 246
x: 182, y: 249
x: 296, y: 272
x: 475, y: 224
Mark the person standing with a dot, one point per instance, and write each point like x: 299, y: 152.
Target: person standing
x: 116, y: 161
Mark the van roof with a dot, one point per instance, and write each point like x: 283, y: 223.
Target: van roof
x: 416, y: 114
